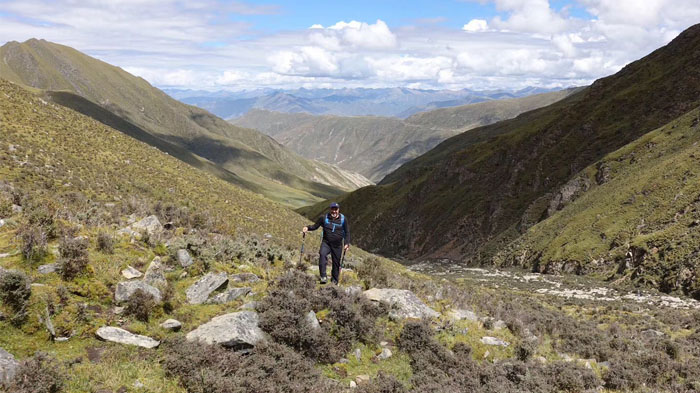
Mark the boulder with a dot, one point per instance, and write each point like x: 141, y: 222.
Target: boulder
x: 229, y: 296
x: 404, y: 303
x: 184, y: 258
x: 155, y: 274
x: 244, y: 277
x: 121, y: 336
x: 150, y: 225
x: 199, y: 292
x: 386, y: 354
x: 494, y: 341
x: 353, y: 290
x: 460, y: 314
x: 127, y: 288
x: 130, y: 273
x: 171, y: 324
x: 312, y: 321
x: 8, y: 367
x: 46, y: 269
x: 238, y: 331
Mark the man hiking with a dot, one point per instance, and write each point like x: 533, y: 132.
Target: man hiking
x: 335, y: 230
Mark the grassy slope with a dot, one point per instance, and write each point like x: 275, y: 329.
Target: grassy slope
x: 374, y: 146
x: 466, y: 198
x: 246, y: 152
x: 648, y: 204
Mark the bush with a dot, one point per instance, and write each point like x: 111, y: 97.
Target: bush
x: 74, y: 257
x: 268, y: 368
x: 33, y: 242
x: 525, y: 350
x: 140, y: 305
x: 383, y: 383
x: 373, y: 273
x: 105, y: 243
x: 15, y: 291
x: 39, y: 374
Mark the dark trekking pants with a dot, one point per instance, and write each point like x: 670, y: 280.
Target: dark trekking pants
x: 335, y: 252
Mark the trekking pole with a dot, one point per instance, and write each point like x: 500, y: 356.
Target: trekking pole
x: 342, y: 258
x: 301, y: 253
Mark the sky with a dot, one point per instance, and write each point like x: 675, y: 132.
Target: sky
x: 450, y: 44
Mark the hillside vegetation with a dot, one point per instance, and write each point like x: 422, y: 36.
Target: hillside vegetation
x: 375, y: 146
x: 73, y: 193
x: 256, y: 158
x: 476, y: 192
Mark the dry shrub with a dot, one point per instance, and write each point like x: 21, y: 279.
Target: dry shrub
x: 140, y: 305
x: 33, y: 242
x: 15, y: 291
x: 105, y: 243
x: 383, y: 383
x: 39, y: 374
x: 74, y: 256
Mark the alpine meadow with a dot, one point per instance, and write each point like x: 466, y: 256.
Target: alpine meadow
x: 393, y: 197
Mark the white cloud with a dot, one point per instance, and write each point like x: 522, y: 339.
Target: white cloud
x: 358, y: 35
x: 476, y: 25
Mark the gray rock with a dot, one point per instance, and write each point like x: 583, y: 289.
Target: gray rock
x: 497, y: 325
x: 249, y: 306
x: 237, y: 330
x: 494, y: 341
x: 404, y: 303
x: 343, y: 361
x: 199, y: 292
x: 2, y: 222
x: 358, y: 354
x: 360, y: 379
x: 150, y: 225
x: 184, y: 258
x: 386, y: 354
x: 541, y: 359
x: 130, y: 273
x: 121, y: 336
x: 312, y: 321
x: 8, y: 367
x: 229, y: 296
x: 460, y: 314
x: 155, y: 274
x: 171, y: 324
x: 138, y: 385
x: 353, y: 290
x: 127, y: 288
x: 353, y: 384
x: 46, y: 269
x: 244, y: 277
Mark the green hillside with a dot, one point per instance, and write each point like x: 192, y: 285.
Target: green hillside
x: 636, y: 218
x: 69, y: 186
x: 252, y: 156
x: 474, y: 193
x: 375, y: 146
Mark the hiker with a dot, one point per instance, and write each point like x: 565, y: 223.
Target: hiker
x: 335, y: 231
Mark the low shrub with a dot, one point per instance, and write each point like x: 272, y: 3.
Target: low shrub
x: 373, y: 273
x: 33, y: 242
x: 105, y: 243
x: 74, y: 256
x: 140, y: 305
x: 39, y: 374
x: 15, y: 291
x: 383, y: 383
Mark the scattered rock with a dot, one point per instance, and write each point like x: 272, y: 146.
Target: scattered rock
x: 460, y: 314
x: 358, y: 354
x: 487, y: 340
x: 184, y: 258
x: 384, y: 343
x: 171, y: 324
x: 155, y: 274
x: 404, y: 303
x: 138, y: 385
x: 238, y: 331
x: 46, y: 269
x: 8, y: 367
x: 16, y: 209
x: 343, y: 361
x: 127, y: 288
x: 353, y: 290
x: 130, y: 273
x: 386, y: 354
x: 2, y: 222
x: 249, y: 306
x: 360, y: 379
x: 244, y: 277
x: 353, y: 384
x: 497, y: 325
x: 312, y: 321
x: 121, y: 336
x: 541, y: 359
x: 150, y: 225
x: 229, y: 296
x: 199, y: 292
x: 267, y: 236
x: 118, y: 310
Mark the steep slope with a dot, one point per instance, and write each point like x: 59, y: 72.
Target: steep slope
x: 375, y: 146
x: 248, y: 153
x: 635, y: 213
x: 475, y: 192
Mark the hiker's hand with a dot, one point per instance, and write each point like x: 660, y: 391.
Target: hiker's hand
x: 347, y: 247
x: 304, y: 229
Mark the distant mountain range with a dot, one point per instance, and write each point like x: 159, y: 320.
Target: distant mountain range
x: 374, y: 146
x: 116, y: 98
x: 397, y: 102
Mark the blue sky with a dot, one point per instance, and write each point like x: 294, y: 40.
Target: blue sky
x: 212, y: 44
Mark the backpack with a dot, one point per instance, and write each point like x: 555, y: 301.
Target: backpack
x: 342, y: 222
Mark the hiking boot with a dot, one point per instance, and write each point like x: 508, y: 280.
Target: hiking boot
x: 334, y: 282
x: 324, y: 280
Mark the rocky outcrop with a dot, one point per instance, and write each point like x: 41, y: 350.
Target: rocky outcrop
x: 568, y: 193
x: 155, y: 274
x: 199, y: 292
x: 184, y: 258
x: 238, y: 331
x: 404, y: 303
x: 8, y: 367
x: 244, y: 277
x: 127, y: 288
x: 121, y: 336
x: 149, y: 225
x: 229, y: 296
